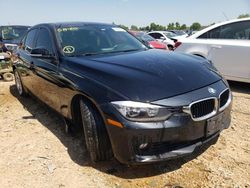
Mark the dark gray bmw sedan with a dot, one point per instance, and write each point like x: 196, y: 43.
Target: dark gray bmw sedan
x: 132, y: 102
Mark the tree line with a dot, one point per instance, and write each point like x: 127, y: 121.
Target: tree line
x: 196, y: 26
x: 157, y: 27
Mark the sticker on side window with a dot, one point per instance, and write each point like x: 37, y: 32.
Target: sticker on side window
x: 68, y: 49
x: 118, y: 29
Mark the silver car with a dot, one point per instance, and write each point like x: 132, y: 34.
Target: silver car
x: 226, y: 44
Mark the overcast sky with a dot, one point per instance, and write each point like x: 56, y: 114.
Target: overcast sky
x: 126, y: 12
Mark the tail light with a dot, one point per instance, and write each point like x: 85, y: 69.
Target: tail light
x: 177, y: 43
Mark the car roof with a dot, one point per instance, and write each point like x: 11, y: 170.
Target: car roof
x: 159, y: 32
x: 14, y: 26
x: 198, y: 33
x: 70, y: 24
x: 136, y: 32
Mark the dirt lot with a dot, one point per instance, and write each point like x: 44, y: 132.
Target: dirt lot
x: 36, y: 152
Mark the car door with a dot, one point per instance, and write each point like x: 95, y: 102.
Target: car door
x: 45, y: 79
x: 24, y: 63
x: 230, y: 52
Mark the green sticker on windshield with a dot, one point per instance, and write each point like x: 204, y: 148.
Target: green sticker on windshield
x: 67, y: 29
x: 68, y: 49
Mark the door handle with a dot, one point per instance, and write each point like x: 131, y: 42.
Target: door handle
x: 216, y: 46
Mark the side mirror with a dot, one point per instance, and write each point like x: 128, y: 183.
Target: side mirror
x: 41, y: 53
x: 162, y: 38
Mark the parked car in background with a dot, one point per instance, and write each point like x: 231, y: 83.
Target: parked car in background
x: 6, y: 68
x: 166, y: 37
x: 11, y: 35
x: 140, y: 104
x: 179, y: 33
x: 150, y: 41
x: 226, y: 44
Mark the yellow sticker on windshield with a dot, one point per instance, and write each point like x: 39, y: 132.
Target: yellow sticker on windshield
x: 68, y: 29
x: 68, y: 49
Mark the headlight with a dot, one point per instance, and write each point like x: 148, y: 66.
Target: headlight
x: 137, y: 111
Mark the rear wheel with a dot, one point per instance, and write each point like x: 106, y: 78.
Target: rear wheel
x: 19, y: 84
x: 96, y: 136
x: 8, y: 76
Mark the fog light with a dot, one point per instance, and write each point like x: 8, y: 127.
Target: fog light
x: 143, y: 146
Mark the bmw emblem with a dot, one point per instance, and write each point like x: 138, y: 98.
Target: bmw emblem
x: 211, y: 90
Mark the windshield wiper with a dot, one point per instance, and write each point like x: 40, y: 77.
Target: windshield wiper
x: 100, y: 53
x: 130, y: 50
x: 88, y: 54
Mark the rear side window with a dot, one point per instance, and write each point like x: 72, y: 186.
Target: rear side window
x: 29, y: 40
x: 212, y: 34
x: 236, y: 31
x: 44, y: 40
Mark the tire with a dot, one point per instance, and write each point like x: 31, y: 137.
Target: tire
x: 96, y: 136
x: 8, y: 77
x: 171, y: 48
x: 19, y: 85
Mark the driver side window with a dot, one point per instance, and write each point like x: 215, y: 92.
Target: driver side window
x: 44, y: 40
x: 29, y: 40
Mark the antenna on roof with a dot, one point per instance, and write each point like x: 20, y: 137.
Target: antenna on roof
x: 225, y: 16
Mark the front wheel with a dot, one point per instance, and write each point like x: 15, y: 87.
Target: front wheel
x: 7, y: 76
x: 170, y: 47
x: 19, y: 84
x: 96, y: 136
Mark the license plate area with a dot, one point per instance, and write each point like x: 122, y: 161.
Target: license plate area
x: 214, y: 124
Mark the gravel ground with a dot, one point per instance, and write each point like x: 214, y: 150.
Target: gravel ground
x: 36, y: 152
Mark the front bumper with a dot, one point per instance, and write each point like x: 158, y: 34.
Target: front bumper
x: 180, y: 135
x: 176, y: 152
x: 176, y: 137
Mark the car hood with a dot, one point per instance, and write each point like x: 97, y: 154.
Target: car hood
x: 146, y: 75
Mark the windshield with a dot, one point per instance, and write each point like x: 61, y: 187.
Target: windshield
x: 12, y: 33
x: 144, y: 37
x: 179, y: 32
x: 169, y: 34
x: 96, y: 39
